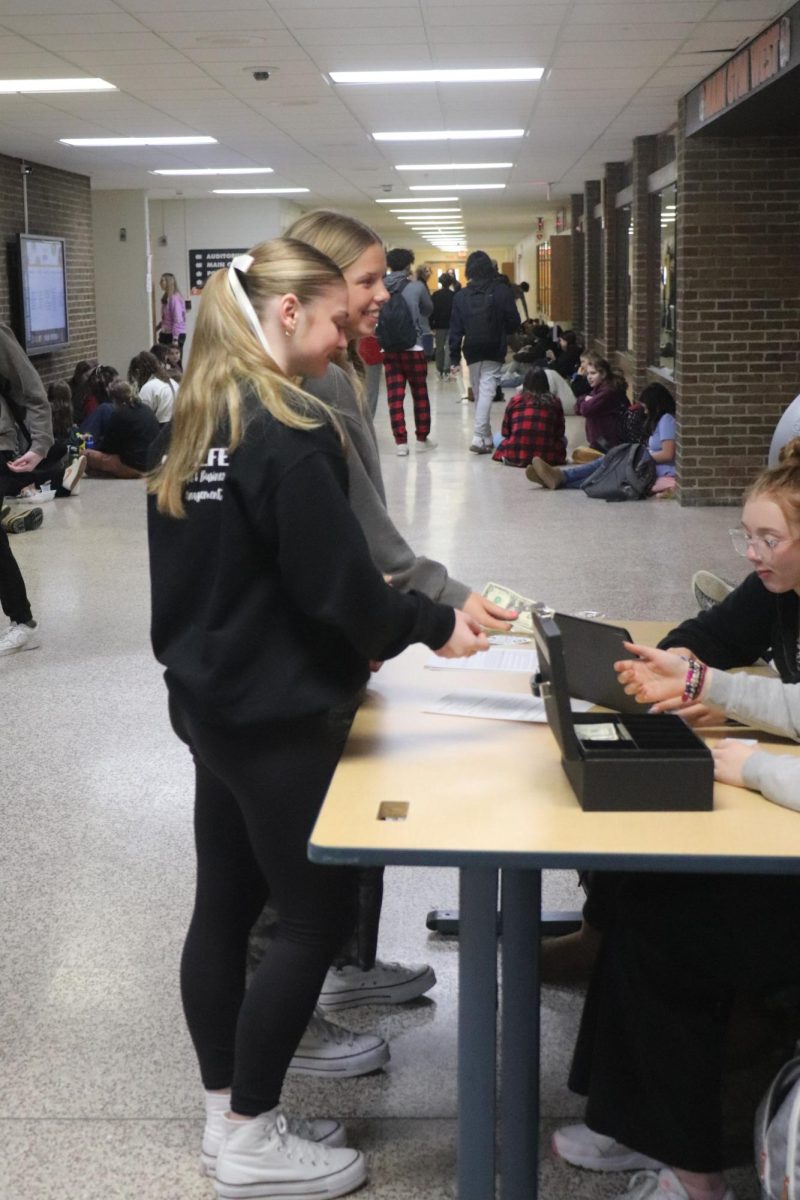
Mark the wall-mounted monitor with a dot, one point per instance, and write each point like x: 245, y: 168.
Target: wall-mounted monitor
x: 43, y: 293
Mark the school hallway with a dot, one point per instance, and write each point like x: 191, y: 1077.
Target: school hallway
x: 101, y: 1097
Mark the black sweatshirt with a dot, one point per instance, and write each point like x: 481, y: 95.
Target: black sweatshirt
x: 750, y: 623
x: 265, y: 602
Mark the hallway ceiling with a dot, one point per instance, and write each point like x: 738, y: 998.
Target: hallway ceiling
x: 611, y: 71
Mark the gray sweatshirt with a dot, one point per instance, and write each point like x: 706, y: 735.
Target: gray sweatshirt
x: 20, y: 383
x: 775, y: 707
x: 390, y: 552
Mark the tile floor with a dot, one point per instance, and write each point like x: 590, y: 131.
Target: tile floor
x: 99, y: 1097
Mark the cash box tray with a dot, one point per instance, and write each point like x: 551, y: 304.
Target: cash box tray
x: 622, y: 762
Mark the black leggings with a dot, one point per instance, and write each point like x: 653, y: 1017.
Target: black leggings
x: 258, y: 792
x: 13, y: 597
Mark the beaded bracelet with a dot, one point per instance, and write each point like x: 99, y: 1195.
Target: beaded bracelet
x: 695, y: 678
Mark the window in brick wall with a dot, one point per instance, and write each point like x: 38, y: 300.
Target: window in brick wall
x: 668, y: 207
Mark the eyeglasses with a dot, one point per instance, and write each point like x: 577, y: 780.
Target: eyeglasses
x: 743, y: 541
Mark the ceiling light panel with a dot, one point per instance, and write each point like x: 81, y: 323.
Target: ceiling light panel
x: 447, y: 135
x: 458, y: 75
x: 418, y: 200
x: 464, y: 187
x: 213, y: 171
x: 36, y: 86
x: 259, y: 191
x: 490, y: 166
x: 139, y: 141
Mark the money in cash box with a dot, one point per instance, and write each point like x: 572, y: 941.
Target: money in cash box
x: 648, y: 762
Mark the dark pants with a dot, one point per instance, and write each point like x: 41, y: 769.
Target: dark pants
x: 49, y: 470
x: 258, y: 792
x: 13, y: 597
x: 361, y: 946
x: 677, y: 949
x: 411, y: 367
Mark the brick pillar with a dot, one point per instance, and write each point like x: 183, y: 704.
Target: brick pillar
x: 645, y: 256
x: 614, y: 182
x: 575, y: 218
x: 592, y: 258
x: 738, y: 306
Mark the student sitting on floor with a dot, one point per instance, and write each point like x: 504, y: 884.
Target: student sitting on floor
x: 533, y: 425
x: 660, y: 425
x: 131, y: 430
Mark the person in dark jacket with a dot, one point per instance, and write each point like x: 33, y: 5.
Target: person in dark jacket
x: 409, y: 366
x: 568, y: 358
x: 123, y: 451
x: 266, y: 613
x: 603, y: 407
x: 440, y: 323
x: 483, y: 315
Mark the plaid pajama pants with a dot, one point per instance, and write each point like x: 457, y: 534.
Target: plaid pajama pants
x: 407, y: 366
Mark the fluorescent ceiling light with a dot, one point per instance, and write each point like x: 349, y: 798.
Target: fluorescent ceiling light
x: 459, y: 75
x: 214, y: 171
x: 139, y: 141
x: 464, y: 187
x: 257, y: 191
x: 419, y: 200
x: 8, y: 86
x: 447, y: 135
x: 453, y: 166
x: 415, y: 212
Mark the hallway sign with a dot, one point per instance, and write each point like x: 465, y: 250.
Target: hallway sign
x: 203, y: 263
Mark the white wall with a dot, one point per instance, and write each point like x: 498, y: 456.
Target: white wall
x: 218, y: 223
x: 525, y: 258
x: 124, y: 326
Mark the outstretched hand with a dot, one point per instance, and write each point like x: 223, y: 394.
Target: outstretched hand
x: 657, y: 678
x: 466, y: 639
x: 490, y: 615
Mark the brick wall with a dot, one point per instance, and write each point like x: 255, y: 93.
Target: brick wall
x: 645, y: 253
x: 738, y: 351
x: 576, y: 218
x: 613, y: 298
x: 59, y: 205
x: 592, y: 257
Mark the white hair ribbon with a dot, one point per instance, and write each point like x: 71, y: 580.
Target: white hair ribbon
x: 243, y: 263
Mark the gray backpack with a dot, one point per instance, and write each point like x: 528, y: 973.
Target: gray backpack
x: 777, y: 1136
x: 626, y: 472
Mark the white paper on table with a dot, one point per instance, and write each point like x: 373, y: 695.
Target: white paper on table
x: 496, y: 706
x: 496, y: 658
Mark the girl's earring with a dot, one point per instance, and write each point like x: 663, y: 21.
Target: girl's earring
x: 289, y: 332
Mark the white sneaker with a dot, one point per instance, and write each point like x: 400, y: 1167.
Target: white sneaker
x: 386, y: 983
x: 581, y: 1146
x: 427, y: 444
x: 660, y: 1185
x: 480, y: 447
x: 261, y: 1157
x: 709, y: 590
x: 328, y: 1049
x: 401, y: 450
x: 20, y: 637
x: 74, y: 474
x: 326, y: 1133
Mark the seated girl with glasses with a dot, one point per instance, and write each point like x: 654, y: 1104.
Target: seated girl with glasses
x: 679, y: 949
x: 761, y: 617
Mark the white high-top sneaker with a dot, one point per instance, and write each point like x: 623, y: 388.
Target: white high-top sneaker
x: 328, y: 1049
x: 260, y: 1158
x: 327, y: 1133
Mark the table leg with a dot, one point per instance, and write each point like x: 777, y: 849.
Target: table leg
x: 477, y: 1033
x: 519, y: 1068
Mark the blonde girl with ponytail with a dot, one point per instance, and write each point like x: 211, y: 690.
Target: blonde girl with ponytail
x: 266, y: 611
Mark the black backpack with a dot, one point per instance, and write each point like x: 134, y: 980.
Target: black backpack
x: 626, y: 472
x: 481, y: 322
x: 395, y: 329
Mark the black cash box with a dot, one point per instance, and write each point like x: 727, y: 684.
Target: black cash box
x: 621, y: 763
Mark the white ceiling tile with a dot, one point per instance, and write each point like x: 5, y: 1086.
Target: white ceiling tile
x: 622, y: 54
x: 33, y: 24
x: 355, y: 19
x: 240, y: 20
x: 722, y: 35
x: 636, y: 12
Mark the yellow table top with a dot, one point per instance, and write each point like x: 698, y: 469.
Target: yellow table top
x: 488, y: 792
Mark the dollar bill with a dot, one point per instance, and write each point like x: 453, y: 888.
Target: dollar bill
x: 507, y: 597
